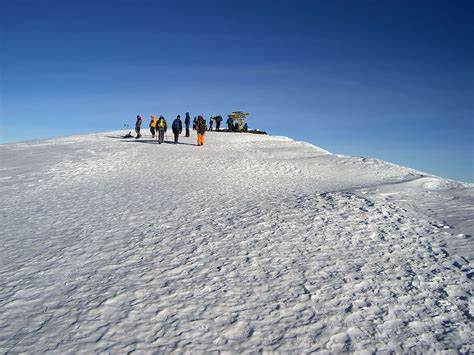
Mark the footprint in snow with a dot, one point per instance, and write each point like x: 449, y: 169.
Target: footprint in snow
x: 239, y: 332
x: 338, y: 342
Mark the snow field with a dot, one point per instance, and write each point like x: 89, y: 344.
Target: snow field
x: 247, y: 243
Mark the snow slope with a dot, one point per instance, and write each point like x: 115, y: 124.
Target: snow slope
x: 247, y: 243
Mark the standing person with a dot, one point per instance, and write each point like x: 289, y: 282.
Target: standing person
x: 153, y: 125
x: 201, y: 129
x: 177, y: 128
x: 211, y: 123
x: 187, y: 121
x: 138, y: 125
x: 162, y: 128
x: 229, y: 124
x: 218, y: 122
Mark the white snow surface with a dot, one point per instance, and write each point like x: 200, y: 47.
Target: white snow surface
x: 248, y: 243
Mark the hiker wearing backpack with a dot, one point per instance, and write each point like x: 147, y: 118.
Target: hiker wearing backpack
x: 153, y: 125
x: 201, y: 129
x: 211, y: 123
x: 138, y: 125
x: 162, y: 128
x: 177, y: 128
x: 230, y: 124
x: 187, y: 121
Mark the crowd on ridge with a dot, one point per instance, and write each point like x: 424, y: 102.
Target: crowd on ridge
x: 158, y: 127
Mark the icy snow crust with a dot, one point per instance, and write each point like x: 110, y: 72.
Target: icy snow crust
x: 248, y: 243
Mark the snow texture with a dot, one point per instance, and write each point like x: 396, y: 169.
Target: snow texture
x: 248, y: 243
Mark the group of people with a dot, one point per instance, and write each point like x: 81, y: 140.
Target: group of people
x: 158, y: 127
x: 236, y: 126
x: 217, y: 120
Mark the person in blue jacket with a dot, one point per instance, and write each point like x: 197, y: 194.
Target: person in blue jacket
x: 177, y: 128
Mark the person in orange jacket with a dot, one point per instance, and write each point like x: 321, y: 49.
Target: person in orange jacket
x: 201, y: 129
x: 153, y: 125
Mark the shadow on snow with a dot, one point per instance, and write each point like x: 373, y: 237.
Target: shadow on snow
x: 148, y: 141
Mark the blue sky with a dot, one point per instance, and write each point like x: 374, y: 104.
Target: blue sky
x: 386, y: 79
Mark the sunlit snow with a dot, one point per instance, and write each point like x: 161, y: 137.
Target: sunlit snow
x: 247, y: 243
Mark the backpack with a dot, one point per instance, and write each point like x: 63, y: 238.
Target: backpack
x: 176, y: 125
x: 201, y: 125
x: 161, y: 123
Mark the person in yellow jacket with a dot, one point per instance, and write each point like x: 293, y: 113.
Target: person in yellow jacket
x: 153, y: 125
x: 161, y: 128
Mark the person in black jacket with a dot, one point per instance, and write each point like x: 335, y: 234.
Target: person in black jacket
x: 177, y: 128
x: 187, y: 122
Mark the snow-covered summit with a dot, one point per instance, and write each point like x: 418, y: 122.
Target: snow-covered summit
x: 249, y: 242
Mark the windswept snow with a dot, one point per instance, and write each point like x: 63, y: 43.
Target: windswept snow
x: 247, y: 243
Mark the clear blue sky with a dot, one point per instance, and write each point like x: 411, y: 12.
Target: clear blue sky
x: 386, y: 79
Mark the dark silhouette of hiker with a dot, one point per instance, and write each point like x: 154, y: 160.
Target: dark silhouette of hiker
x: 218, y: 122
x: 138, y: 125
x: 187, y: 121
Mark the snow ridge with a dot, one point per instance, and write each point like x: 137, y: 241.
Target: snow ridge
x: 248, y: 243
